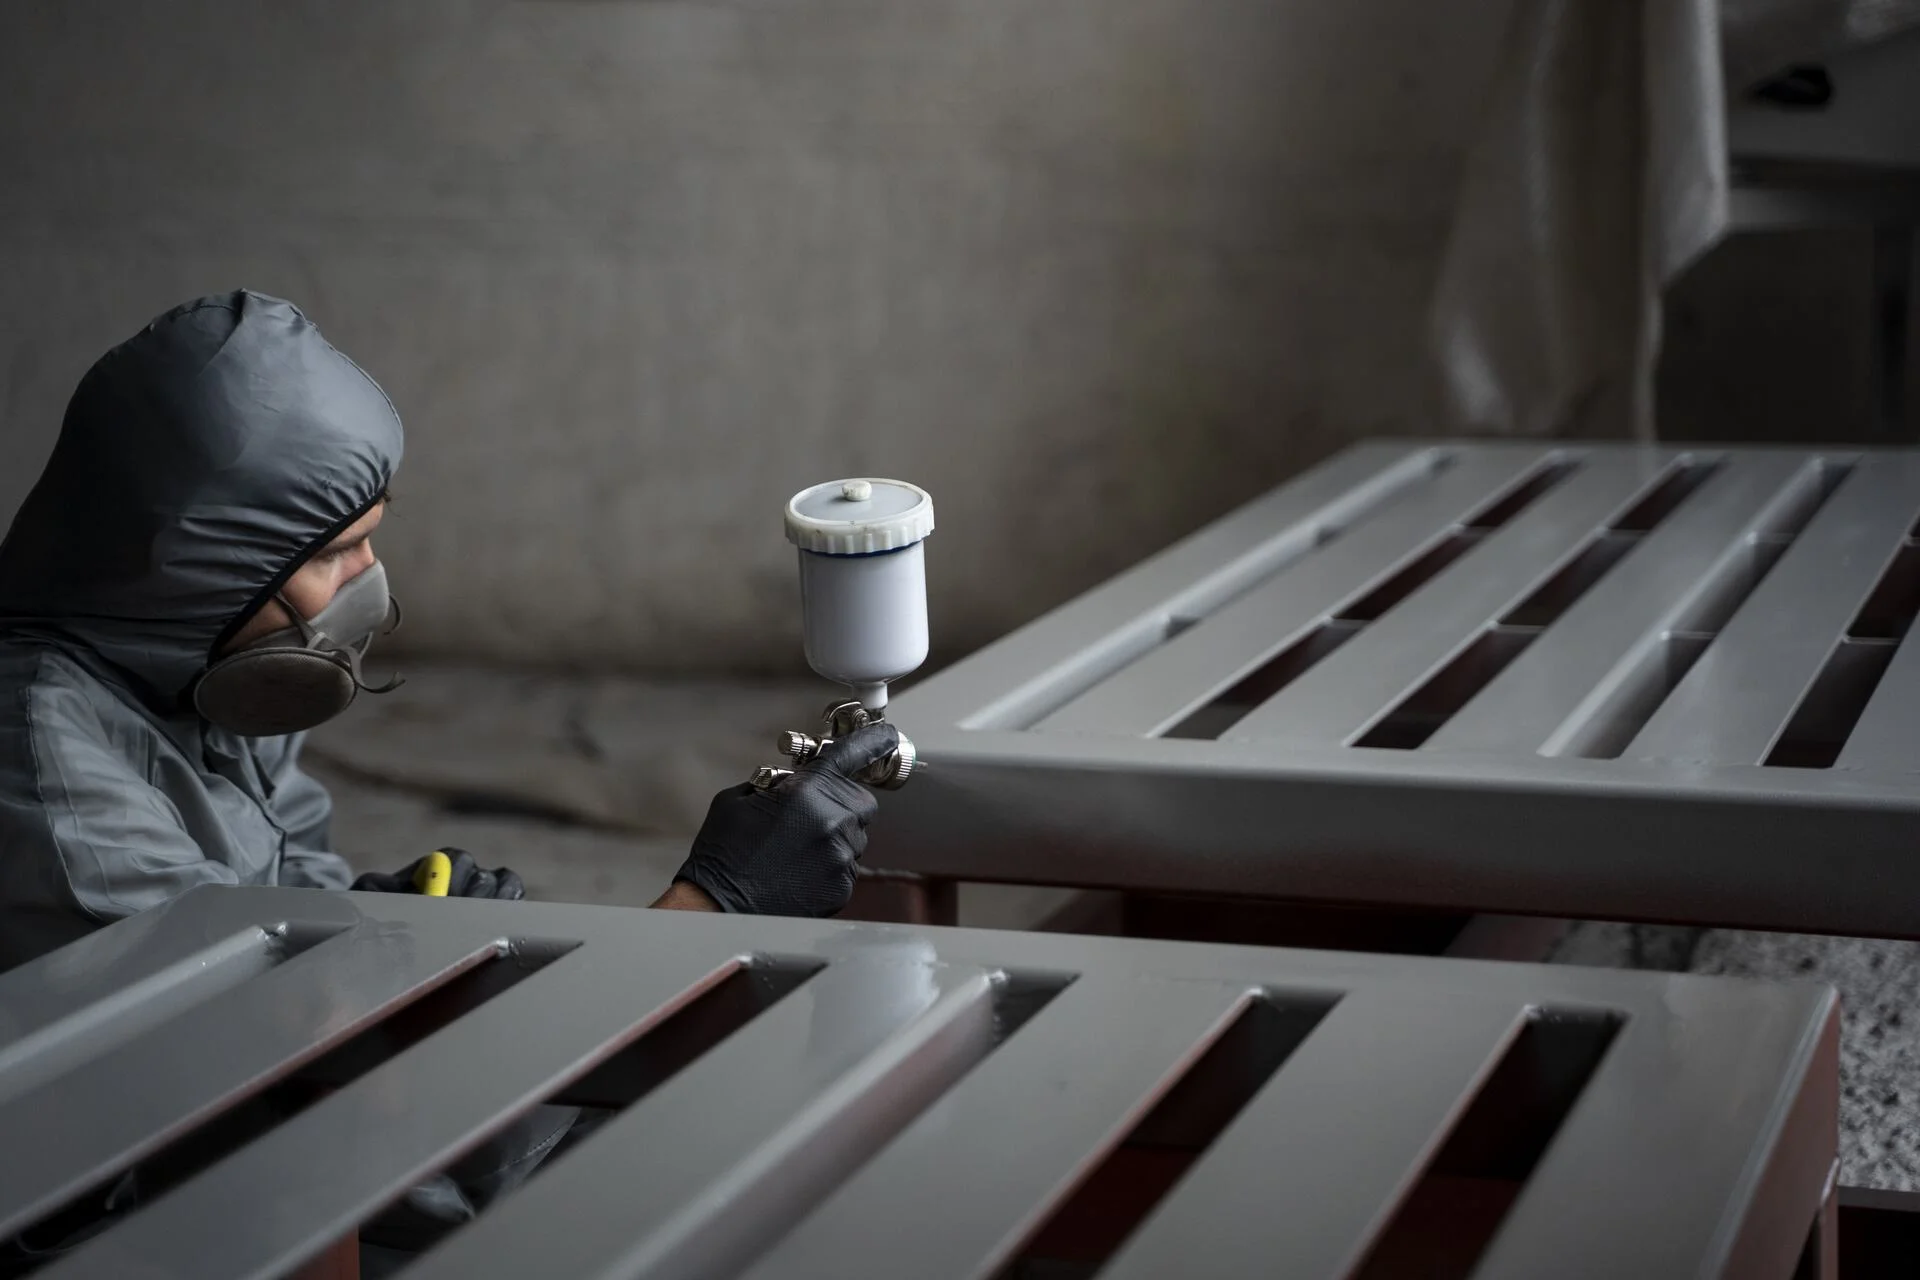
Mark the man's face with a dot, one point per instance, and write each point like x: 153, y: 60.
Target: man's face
x: 313, y: 584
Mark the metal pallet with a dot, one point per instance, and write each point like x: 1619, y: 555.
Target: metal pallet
x: 1610, y: 681
x: 809, y: 1099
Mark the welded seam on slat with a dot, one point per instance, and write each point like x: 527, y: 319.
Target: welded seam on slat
x: 1824, y: 720
x: 1739, y: 694
x: 1605, y: 732
x: 1885, y: 735
x: 1420, y: 714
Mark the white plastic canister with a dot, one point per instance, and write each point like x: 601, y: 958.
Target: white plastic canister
x: 863, y: 580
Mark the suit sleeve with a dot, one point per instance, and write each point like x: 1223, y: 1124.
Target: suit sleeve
x: 86, y: 836
x: 301, y: 808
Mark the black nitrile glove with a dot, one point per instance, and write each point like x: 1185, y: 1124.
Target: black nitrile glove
x: 468, y: 879
x: 790, y: 850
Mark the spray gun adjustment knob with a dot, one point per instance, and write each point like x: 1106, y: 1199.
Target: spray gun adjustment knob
x: 800, y: 747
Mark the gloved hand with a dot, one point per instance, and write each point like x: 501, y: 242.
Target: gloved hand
x: 790, y: 850
x: 468, y: 880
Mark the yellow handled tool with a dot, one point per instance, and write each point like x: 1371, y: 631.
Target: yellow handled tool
x: 435, y: 873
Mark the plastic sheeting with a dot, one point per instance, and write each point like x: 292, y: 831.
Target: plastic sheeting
x: 1598, y: 172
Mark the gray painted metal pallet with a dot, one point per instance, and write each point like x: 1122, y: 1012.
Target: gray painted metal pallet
x: 896, y: 1102
x: 1611, y: 681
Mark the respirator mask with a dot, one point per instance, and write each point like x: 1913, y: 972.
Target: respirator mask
x: 303, y: 675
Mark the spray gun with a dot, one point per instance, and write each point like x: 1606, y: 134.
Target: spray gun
x: 863, y: 598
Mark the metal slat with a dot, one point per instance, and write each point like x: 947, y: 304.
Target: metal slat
x: 363, y: 1146
x: 110, y: 1003
x: 1699, y: 1145
x: 108, y: 970
x: 702, y: 1174
x: 1018, y: 1132
x: 1365, y: 678
x: 1887, y: 737
x: 1158, y: 690
x: 89, y: 1125
x: 1023, y: 676
x: 1304, y: 1178
x: 1626, y: 1190
x: 1731, y: 706
x: 1567, y: 674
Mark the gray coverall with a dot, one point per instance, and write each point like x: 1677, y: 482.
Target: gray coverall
x: 199, y: 464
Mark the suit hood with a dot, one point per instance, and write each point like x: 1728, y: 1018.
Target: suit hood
x: 198, y: 465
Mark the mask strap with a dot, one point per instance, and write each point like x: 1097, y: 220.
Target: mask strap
x: 350, y: 658
x: 345, y: 655
x: 308, y: 633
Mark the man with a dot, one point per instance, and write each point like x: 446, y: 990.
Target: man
x: 191, y: 585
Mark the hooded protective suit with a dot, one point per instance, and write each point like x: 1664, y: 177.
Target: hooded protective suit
x: 199, y: 464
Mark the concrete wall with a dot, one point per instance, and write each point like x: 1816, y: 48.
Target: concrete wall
x: 1091, y: 270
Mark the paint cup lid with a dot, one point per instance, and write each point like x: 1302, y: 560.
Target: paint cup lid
x: 859, y: 517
